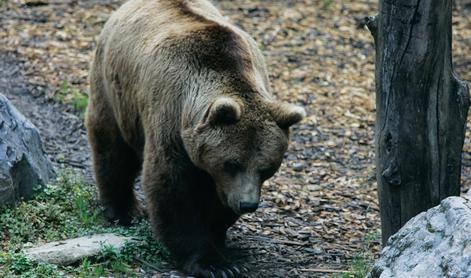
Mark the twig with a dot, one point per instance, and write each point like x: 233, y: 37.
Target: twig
x: 243, y: 256
x: 323, y: 270
x: 290, y: 242
x: 75, y: 164
x: 372, y: 24
x: 275, y: 241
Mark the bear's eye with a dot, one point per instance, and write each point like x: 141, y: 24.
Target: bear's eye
x: 232, y: 166
x: 266, y: 173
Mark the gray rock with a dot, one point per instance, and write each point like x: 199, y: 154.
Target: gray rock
x: 435, y: 243
x: 69, y: 251
x: 23, y: 162
x: 299, y: 166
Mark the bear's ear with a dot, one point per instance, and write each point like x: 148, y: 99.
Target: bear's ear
x: 224, y: 110
x: 286, y: 114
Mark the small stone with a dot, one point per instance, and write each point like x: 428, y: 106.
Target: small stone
x: 315, y: 250
x: 298, y: 166
x: 66, y: 252
x: 291, y: 157
x: 28, y: 245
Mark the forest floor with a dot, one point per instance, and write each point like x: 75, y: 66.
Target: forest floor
x: 320, y: 212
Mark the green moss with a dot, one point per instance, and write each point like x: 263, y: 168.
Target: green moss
x: 428, y: 246
x: 445, y: 269
x: 430, y: 228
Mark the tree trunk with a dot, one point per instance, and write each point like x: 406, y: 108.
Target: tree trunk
x: 421, y: 109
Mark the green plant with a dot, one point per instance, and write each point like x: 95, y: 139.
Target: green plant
x: 326, y: 3
x: 15, y: 264
x: 20, y: 264
x: 79, y: 101
x: 362, y: 262
x: 68, y: 95
x: 63, y: 91
x: 113, y: 259
x: 83, y: 200
x: 90, y: 270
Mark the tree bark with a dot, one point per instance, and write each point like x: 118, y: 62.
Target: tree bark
x: 421, y: 109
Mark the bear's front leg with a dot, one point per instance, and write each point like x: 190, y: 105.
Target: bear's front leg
x: 179, y: 200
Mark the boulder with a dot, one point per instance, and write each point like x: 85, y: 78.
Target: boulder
x: 66, y: 252
x: 24, y: 165
x: 435, y: 243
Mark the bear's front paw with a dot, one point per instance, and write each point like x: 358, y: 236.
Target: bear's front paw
x: 197, y: 269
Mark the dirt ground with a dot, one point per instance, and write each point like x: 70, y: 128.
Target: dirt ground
x: 320, y: 210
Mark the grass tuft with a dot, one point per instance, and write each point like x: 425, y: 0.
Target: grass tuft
x: 74, y: 97
x: 362, y: 263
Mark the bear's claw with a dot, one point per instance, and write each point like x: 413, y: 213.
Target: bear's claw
x: 230, y: 272
x: 198, y: 269
x: 213, y: 272
x: 236, y: 269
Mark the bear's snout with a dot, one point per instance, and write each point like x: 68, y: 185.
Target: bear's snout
x: 246, y: 202
x: 246, y: 207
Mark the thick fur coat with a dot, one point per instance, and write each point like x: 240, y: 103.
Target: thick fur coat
x: 183, y: 95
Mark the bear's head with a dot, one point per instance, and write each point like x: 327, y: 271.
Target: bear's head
x: 240, y: 146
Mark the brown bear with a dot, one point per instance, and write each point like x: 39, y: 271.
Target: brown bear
x: 179, y: 92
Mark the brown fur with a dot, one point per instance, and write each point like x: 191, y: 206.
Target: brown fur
x: 183, y: 95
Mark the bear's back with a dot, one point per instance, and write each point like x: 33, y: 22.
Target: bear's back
x: 145, y: 36
x: 150, y: 49
x: 140, y: 28
x: 149, y: 34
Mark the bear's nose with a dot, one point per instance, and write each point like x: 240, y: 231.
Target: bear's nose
x: 246, y: 207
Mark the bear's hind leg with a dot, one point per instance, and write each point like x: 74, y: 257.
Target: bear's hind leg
x: 115, y: 164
